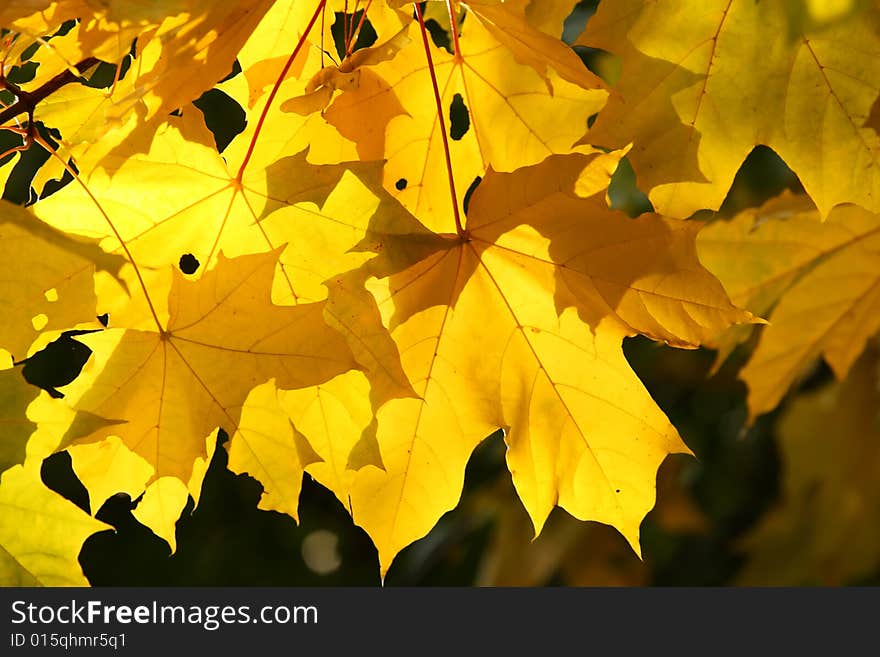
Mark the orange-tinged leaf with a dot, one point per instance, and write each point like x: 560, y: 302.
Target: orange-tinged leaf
x: 817, y: 283
x: 824, y: 531
x: 266, y: 51
x: 704, y: 82
x: 200, y: 37
x: 40, y: 17
x: 494, y: 333
x: 525, y: 95
x: 223, y: 337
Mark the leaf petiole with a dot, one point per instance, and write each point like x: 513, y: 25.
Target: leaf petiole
x: 459, y: 228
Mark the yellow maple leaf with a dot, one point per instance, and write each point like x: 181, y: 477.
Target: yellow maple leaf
x: 326, y: 430
x: 202, y: 208
x: 518, y: 323
x: 108, y: 467
x: 47, y: 279
x: 199, y: 36
x: 272, y: 450
x: 546, y: 15
x: 46, y: 554
x: 816, y: 282
x: 521, y: 95
x: 172, y: 387
x: 705, y: 82
x: 15, y: 396
x: 823, y: 531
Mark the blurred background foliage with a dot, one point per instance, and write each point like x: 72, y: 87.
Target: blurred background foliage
x: 787, y: 501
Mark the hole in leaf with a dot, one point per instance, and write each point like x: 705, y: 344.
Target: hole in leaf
x: 57, y: 364
x: 470, y: 190
x: 188, y: 263
x: 104, y: 73
x: 601, y: 62
x: 366, y: 37
x: 459, y: 118
x: 57, y: 474
x: 439, y: 35
x: 224, y: 117
x: 761, y: 176
x: 574, y: 25
x: 18, y: 188
x: 624, y: 193
x: 401, y: 184
x: 104, y: 319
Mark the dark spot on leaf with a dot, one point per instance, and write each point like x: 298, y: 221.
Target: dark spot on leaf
x: 401, y: 184
x: 104, y: 319
x: 57, y: 364
x: 176, y: 112
x: 188, y: 263
x: 470, y: 190
x: 459, y: 118
x: 617, y: 491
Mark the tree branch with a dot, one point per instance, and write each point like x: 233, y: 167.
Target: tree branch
x: 26, y: 102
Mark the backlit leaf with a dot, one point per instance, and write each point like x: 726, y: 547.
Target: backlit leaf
x: 705, y: 82
x: 817, y: 283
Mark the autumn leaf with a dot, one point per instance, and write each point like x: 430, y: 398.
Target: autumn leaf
x: 817, y: 283
x: 45, y: 554
x: 320, y: 213
x: 823, y: 529
x: 47, y: 279
x: 108, y: 467
x: 15, y: 396
x: 172, y: 387
x: 199, y: 36
x: 270, y: 448
x: 547, y: 16
x: 407, y: 247
x: 203, y: 209
x: 492, y: 333
x: 703, y: 83
x: 517, y: 95
x: 569, y: 552
x: 325, y: 430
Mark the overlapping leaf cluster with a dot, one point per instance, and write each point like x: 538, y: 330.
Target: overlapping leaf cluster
x: 407, y: 248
